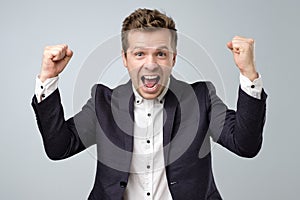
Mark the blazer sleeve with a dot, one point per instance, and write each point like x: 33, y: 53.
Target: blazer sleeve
x: 239, y: 131
x: 64, y: 138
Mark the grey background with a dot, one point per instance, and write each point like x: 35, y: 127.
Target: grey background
x: 27, y: 26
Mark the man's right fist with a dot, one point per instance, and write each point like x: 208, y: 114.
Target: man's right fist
x: 55, y: 59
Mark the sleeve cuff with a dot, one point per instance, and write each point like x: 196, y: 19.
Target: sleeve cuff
x: 46, y: 88
x: 252, y: 88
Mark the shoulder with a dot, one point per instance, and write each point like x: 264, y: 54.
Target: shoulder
x: 200, y: 91
x: 202, y: 85
x: 198, y: 86
x: 103, y: 91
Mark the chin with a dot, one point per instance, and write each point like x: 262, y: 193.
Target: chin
x: 147, y: 95
x: 150, y: 96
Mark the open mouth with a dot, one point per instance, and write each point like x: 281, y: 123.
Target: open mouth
x: 150, y: 81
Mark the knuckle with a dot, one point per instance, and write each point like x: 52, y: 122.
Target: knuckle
x: 46, y: 49
x: 47, y: 53
x: 62, y: 46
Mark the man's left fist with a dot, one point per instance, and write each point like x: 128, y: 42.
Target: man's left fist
x: 243, y: 54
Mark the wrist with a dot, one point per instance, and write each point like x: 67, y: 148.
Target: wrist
x: 250, y: 74
x: 43, y: 77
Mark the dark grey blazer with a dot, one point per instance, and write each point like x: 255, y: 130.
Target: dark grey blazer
x: 192, y: 114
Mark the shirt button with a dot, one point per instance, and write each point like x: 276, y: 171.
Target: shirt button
x: 138, y: 101
x: 148, y: 193
x: 161, y: 101
x: 149, y: 114
x: 42, y: 87
x: 148, y: 141
x: 148, y: 166
x: 123, y: 184
x: 252, y: 86
x: 43, y: 95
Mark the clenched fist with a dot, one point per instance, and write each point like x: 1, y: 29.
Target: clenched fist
x: 243, y: 54
x: 55, y: 59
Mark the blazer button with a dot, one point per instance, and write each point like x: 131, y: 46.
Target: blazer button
x: 123, y: 184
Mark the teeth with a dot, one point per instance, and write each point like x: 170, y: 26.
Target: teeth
x: 147, y: 79
x: 150, y: 77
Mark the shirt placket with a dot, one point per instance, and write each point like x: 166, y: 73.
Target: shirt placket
x: 148, y: 177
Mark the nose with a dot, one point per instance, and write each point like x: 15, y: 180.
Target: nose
x: 151, y: 63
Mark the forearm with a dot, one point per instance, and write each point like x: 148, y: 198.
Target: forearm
x: 242, y: 132
x: 59, y: 136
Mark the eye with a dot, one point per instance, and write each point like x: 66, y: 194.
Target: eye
x: 139, y: 54
x: 162, y: 54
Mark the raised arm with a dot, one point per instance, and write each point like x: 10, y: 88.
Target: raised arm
x: 240, y: 131
x: 62, y: 138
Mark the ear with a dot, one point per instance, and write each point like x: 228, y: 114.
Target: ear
x: 124, y: 58
x: 174, y: 58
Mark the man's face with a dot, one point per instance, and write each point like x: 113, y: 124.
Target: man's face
x: 149, y: 60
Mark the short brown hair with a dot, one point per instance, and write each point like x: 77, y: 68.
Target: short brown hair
x: 147, y: 20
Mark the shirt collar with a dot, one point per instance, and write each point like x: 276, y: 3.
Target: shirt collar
x: 139, y: 99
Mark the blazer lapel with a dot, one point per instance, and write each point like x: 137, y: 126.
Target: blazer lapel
x: 122, y: 106
x: 172, y: 115
x: 170, y: 105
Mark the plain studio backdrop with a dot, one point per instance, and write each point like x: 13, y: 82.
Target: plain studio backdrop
x: 28, y: 26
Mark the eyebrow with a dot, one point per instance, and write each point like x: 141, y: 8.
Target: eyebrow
x: 157, y: 48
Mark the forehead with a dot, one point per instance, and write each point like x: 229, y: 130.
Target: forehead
x: 152, y: 39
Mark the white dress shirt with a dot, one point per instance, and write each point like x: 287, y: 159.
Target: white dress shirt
x: 147, y: 179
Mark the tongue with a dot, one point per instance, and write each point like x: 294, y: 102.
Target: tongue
x: 150, y: 83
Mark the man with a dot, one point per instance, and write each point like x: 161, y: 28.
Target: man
x: 152, y: 133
